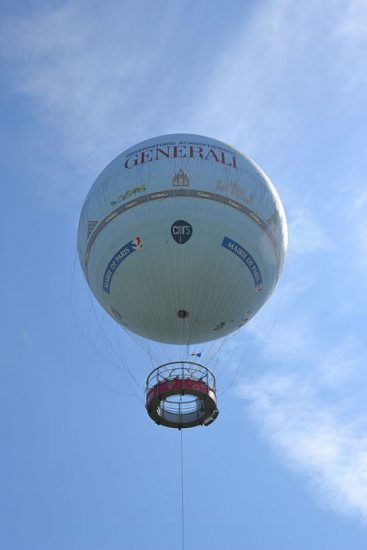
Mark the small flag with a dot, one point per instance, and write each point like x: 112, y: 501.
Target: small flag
x: 196, y: 354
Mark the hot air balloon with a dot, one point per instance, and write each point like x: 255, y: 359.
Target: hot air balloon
x: 182, y: 239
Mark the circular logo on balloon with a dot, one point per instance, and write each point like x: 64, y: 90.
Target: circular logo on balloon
x: 181, y: 231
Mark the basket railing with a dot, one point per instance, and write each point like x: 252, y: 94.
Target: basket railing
x: 180, y: 370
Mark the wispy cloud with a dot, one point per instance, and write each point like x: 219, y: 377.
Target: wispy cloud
x: 354, y: 212
x: 321, y: 439
x: 87, y: 73
x: 279, y: 72
x: 100, y: 82
x: 309, y: 403
x: 352, y: 31
x: 306, y: 233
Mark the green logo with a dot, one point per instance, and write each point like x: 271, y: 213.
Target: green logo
x: 128, y: 193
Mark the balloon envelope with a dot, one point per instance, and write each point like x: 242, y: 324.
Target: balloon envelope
x: 182, y: 239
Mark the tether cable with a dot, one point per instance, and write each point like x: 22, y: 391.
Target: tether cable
x: 182, y: 497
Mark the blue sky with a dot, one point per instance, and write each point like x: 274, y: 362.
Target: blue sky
x: 284, y: 466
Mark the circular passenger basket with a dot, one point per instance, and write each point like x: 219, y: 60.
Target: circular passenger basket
x: 181, y: 394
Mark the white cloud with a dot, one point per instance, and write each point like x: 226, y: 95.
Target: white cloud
x: 277, y: 72
x: 306, y: 233
x: 352, y: 31
x: 314, y: 438
x: 308, y: 398
x: 360, y: 200
x: 355, y: 212
x: 288, y: 340
x: 87, y: 73
x: 340, y: 363
x: 101, y: 86
x: 26, y: 339
x: 90, y: 72
x: 308, y: 405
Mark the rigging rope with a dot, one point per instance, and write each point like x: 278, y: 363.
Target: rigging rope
x: 121, y: 367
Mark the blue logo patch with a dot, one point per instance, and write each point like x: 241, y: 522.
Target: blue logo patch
x: 247, y: 260
x: 119, y: 257
x: 181, y: 231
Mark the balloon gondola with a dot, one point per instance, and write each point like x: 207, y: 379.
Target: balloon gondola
x: 181, y: 394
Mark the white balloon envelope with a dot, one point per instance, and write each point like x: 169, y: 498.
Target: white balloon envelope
x: 182, y: 239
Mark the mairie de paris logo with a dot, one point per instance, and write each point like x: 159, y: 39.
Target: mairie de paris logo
x: 181, y: 231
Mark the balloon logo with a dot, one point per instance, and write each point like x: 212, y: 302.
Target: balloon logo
x: 181, y: 231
